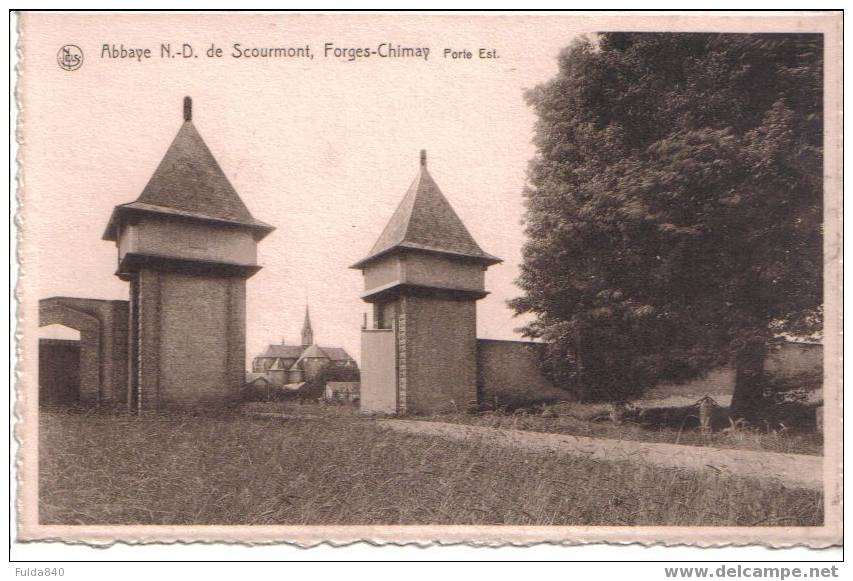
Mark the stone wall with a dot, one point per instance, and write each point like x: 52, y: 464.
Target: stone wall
x: 792, y: 359
x: 508, y: 374
x: 196, y: 335
x: 718, y: 383
x: 378, y: 371
x: 785, y: 361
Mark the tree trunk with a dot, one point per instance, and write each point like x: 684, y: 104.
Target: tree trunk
x: 749, y: 381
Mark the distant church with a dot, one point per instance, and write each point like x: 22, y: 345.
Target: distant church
x: 282, y: 364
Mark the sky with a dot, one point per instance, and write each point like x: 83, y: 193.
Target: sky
x: 322, y: 149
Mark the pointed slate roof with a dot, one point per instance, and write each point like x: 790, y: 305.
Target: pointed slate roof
x: 283, y: 351
x: 294, y: 352
x: 189, y: 183
x: 337, y: 353
x: 252, y: 377
x: 425, y: 221
x: 313, y: 352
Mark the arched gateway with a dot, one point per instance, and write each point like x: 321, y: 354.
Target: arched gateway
x: 186, y: 246
x: 103, y: 349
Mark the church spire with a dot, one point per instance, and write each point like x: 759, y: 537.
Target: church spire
x: 307, y: 332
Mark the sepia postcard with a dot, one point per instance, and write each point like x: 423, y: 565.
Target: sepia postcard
x: 432, y: 278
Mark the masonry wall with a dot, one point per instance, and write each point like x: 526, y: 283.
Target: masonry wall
x: 379, y: 371
x: 118, y: 344
x: 161, y: 236
x: 442, y: 272
x: 236, y: 334
x: 199, y: 339
x: 192, y: 339
x: 313, y: 366
x: 792, y: 359
x: 508, y: 374
x: 148, y: 304
x: 437, y: 364
x: 425, y: 269
x: 382, y: 272
x: 718, y: 383
x: 278, y: 376
x: 788, y: 360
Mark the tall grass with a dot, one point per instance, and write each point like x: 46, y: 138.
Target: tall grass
x: 337, y: 468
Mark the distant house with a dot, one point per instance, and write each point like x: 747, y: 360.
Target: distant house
x: 283, y: 364
x: 257, y: 387
x: 342, y: 391
x: 257, y: 379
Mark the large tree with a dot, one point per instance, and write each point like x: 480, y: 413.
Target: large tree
x: 674, y: 208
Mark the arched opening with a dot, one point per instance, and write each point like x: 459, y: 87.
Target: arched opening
x: 59, y: 332
x: 60, y: 384
x: 59, y: 365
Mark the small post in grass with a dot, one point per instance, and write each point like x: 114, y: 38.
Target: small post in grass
x: 706, y: 411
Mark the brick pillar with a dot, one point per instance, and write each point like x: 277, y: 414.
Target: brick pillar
x: 90, y: 365
x: 107, y: 349
x: 236, y: 335
x: 437, y: 340
x: 120, y: 352
x: 402, y: 357
x: 133, y: 347
x: 149, y: 306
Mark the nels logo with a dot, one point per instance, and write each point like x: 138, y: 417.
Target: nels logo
x: 70, y: 57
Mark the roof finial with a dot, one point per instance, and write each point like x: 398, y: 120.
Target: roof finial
x: 188, y: 109
x: 423, y: 158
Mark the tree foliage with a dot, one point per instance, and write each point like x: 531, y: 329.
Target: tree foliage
x: 674, y: 207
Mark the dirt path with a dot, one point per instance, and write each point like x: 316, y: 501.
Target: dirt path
x: 795, y: 470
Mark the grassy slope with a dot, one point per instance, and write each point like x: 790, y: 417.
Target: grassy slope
x: 340, y: 469
x: 590, y: 420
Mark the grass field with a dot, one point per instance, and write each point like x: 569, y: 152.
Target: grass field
x: 329, y: 466
x: 590, y: 420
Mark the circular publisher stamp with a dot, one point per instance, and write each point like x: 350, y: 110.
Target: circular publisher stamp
x: 70, y: 57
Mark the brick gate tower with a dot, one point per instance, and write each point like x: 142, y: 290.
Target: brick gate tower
x: 423, y: 277
x: 186, y: 246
